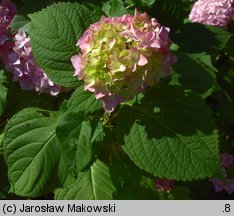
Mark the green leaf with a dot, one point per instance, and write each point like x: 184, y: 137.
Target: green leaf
x: 171, y: 7
x: 83, y: 102
x: 195, y: 74
x: 230, y: 46
x: 126, y: 177
x: 167, y: 11
x: 1, y: 141
x: 76, y: 133
x: 93, y: 184
x: 171, y: 134
x: 114, y: 8
x: 19, y: 99
x: 20, y: 23
x: 31, y: 150
x: 74, y: 136
x: 198, y: 38
x: 148, y: 3
x: 54, y: 32
x: 3, y: 92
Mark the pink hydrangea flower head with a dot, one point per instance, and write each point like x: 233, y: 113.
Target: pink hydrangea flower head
x: 18, y: 60
x: 212, y: 12
x: 121, y: 56
x: 226, y: 161
x: 7, y: 12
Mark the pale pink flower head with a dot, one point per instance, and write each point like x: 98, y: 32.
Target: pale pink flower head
x: 121, y: 56
x: 227, y: 185
x: 7, y: 12
x: 18, y: 60
x: 212, y: 12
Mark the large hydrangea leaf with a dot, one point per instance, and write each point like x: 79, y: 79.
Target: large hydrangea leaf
x: 31, y: 150
x: 190, y: 70
x: 54, y: 32
x: 170, y: 135
x: 83, y: 102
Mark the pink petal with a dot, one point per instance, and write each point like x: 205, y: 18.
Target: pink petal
x: 143, y: 60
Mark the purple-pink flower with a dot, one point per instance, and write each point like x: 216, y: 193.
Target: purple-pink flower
x: 121, y: 56
x: 212, y: 12
x: 164, y: 185
x: 226, y: 161
x: 7, y: 12
x: 18, y: 59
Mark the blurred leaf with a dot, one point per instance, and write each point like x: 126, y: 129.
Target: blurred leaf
x: 19, y: 99
x: 198, y: 38
x: 3, y: 92
x: 224, y: 108
x: 148, y: 3
x: 179, y: 193
x: 125, y: 175
x: 1, y: 141
x: 20, y: 23
x: 230, y: 50
x: 114, y: 8
x: 167, y: 11
x: 195, y: 73
x: 27, y: 7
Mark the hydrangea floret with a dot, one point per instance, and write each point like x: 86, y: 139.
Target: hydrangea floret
x: 7, y: 12
x: 121, y: 56
x: 212, y: 12
x: 164, y: 185
x: 226, y: 161
x: 18, y: 60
